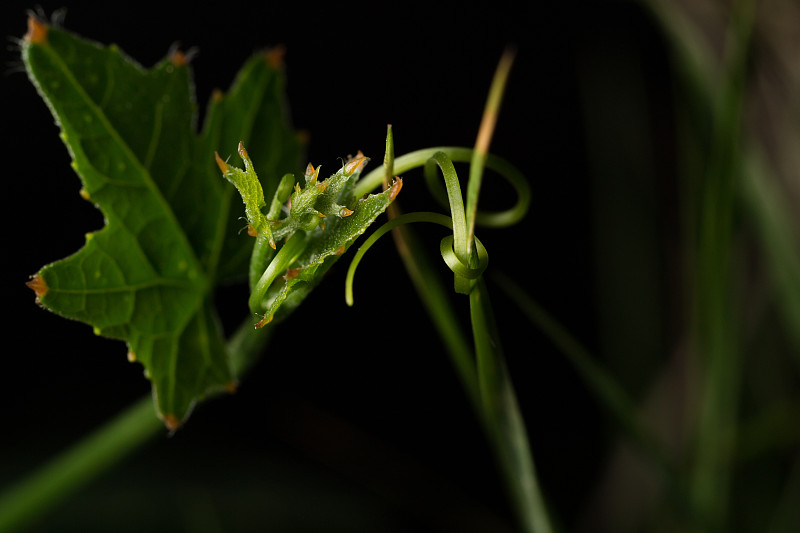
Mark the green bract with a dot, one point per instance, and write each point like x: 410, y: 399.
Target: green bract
x: 320, y: 222
x: 171, y: 229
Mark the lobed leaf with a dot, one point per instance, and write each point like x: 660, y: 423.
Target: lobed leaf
x: 147, y: 277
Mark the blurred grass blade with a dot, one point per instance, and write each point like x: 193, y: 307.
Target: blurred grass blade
x: 770, y: 214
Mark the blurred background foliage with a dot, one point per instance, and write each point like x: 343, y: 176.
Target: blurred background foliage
x: 660, y: 138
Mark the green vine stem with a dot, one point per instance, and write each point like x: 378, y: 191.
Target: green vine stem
x: 29, y: 500
x: 491, y: 389
x: 53, y: 482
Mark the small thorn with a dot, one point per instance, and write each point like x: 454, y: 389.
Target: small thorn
x: 322, y: 185
x: 252, y: 231
x: 84, y: 193
x: 231, y: 386
x: 275, y: 55
x: 397, y: 184
x: 339, y: 250
x: 242, y: 151
x: 172, y: 422
x: 217, y: 95
x: 37, y: 31
x: 223, y: 166
x: 320, y: 215
x: 291, y: 273
x: 131, y: 356
x: 344, y: 212
x: 37, y: 284
x: 272, y: 243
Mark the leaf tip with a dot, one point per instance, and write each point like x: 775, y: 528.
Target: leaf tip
x: 38, y: 285
x: 37, y: 31
x: 355, y: 164
x: 397, y: 184
x: 275, y: 55
x: 263, y: 322
x: 223, y: 166
x: 178, y: 58
x: 171, y: 421
x: 242, y: 151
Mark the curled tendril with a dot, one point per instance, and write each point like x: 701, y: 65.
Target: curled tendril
x: 457, y: 253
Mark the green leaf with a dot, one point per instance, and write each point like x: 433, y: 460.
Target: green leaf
x: 147, y: 277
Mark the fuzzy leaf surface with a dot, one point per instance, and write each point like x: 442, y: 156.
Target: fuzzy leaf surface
x: 147, y: 277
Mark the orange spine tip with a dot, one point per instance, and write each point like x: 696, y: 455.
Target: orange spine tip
x: 231, y: 386
x: 291, y: 273
x: 217, y: 95
x: 131, y: 356
x: 272, y: 243
x: 322, y: 185
x: 178, y: 58
x: 344, y: 212
x: 242, y: 151
x: 252, y: 231
x: 339, y: 250
x: 309, y: 170
x: 223, y: 166
x: 263, y: 322
x: 275, y: 55
x: 172, y: 422
x: 37, y: 284
x: 84, y: 194
x: 355, y: 164
x: 37, y: 31
x: 396, y: 186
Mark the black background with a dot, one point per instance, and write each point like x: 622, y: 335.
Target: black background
x: 368, y: 408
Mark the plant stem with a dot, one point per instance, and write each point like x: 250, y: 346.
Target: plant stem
x: 29, y: 499
x: 53, y: 482
x: 503, y: 419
